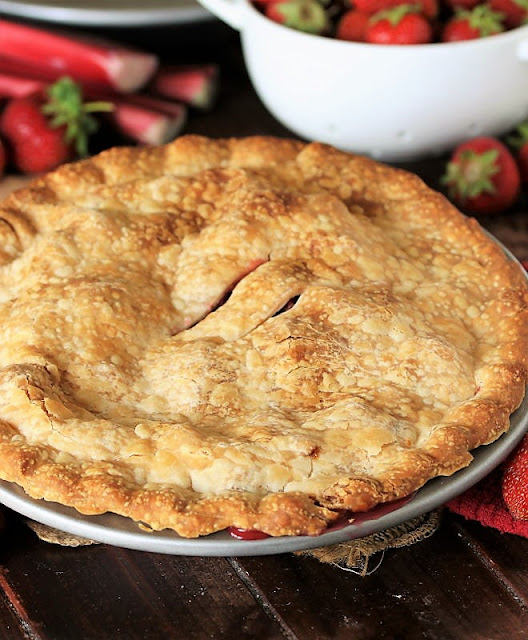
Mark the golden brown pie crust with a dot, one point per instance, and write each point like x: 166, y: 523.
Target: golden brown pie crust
x: 250, y: 332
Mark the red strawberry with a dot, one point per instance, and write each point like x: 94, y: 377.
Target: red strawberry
x: 482, y: 176
x: 429, y: 8
x: 522, y: 161
x: 515, y: 12
x: 35, y: 146
x: 303, y: 15
x: 45, y: 131
x: 479, y: 22
x: 515, y: 481
x: 461, y: 4
x: 371, y: 6
x: 399, y: 25
x: 352, y: 26
x: 519, y: 142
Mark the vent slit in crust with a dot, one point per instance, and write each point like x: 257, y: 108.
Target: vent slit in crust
x: 226, y: 294
x: 287, y: 306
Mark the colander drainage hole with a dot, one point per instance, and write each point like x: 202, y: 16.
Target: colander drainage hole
x: 404, y: 136
x: 474, y: 129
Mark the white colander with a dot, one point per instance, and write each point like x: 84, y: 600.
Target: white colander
x: 391, y: 102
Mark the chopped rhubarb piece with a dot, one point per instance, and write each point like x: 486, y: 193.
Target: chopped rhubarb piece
x: 195, y: 85
x: 146, y: 125
x: 84, y: 58
x: 170, y: 107
x: 14, y: 86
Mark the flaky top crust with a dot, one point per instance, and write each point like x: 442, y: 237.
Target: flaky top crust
x: 250, y: 332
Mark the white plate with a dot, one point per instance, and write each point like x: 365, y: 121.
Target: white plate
x: 122, y: 532
x: 107, y: 13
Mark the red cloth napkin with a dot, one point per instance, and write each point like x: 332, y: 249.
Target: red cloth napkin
x: 484, y: 503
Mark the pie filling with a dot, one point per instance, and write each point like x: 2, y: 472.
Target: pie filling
x: 255, y: 334
x: 343, y: 517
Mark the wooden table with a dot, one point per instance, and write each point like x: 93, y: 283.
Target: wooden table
x: 464, y: 582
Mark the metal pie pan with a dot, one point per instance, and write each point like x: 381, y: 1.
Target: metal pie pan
x: 123, y: 532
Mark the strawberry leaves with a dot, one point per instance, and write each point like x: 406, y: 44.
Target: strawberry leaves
x: 304, y: 15
x: 65, y: 108
x: 470, y: 24
x: 471, y: 174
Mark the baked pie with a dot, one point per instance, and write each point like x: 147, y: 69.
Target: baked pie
x: 254, y: 333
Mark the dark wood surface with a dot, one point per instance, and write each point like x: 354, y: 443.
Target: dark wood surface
x: 464, y: 582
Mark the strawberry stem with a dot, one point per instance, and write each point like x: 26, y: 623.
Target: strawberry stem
x: 395, y: 14
x: 66, y: 108
x: 483, y: 19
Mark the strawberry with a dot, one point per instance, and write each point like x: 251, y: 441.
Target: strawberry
x: 303, y: 15
x: 482, y: 176
x: 429, y: 8
x: 461, y: 4
x: 34, y: 145
x: 43, y: 131
x: 479, y: 22
x: 352, y: 26
x: 515, y: 12
x: 515, y: 481
x: 370, y: 6
x: 399, y: 25
x: 519, y: 141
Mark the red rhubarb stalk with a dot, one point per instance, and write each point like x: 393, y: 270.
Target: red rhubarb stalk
x: 195, y: 85
x: 18, y: 80
x: 169, y: 107
x: 83, y: 58
x: 14, y: 86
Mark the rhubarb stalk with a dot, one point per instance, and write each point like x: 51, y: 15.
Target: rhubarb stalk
x: 14, y: 86
x: 84, y: 58
x: 146, y: 125
x: 195, y: 85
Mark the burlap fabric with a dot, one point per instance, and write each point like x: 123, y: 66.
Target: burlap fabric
x: 361, y: 556
x: 364, y: 555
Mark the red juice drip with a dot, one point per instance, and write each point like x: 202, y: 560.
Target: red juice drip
x: 247, y: 534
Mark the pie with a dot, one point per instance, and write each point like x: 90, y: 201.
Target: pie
x: 255, y: 333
